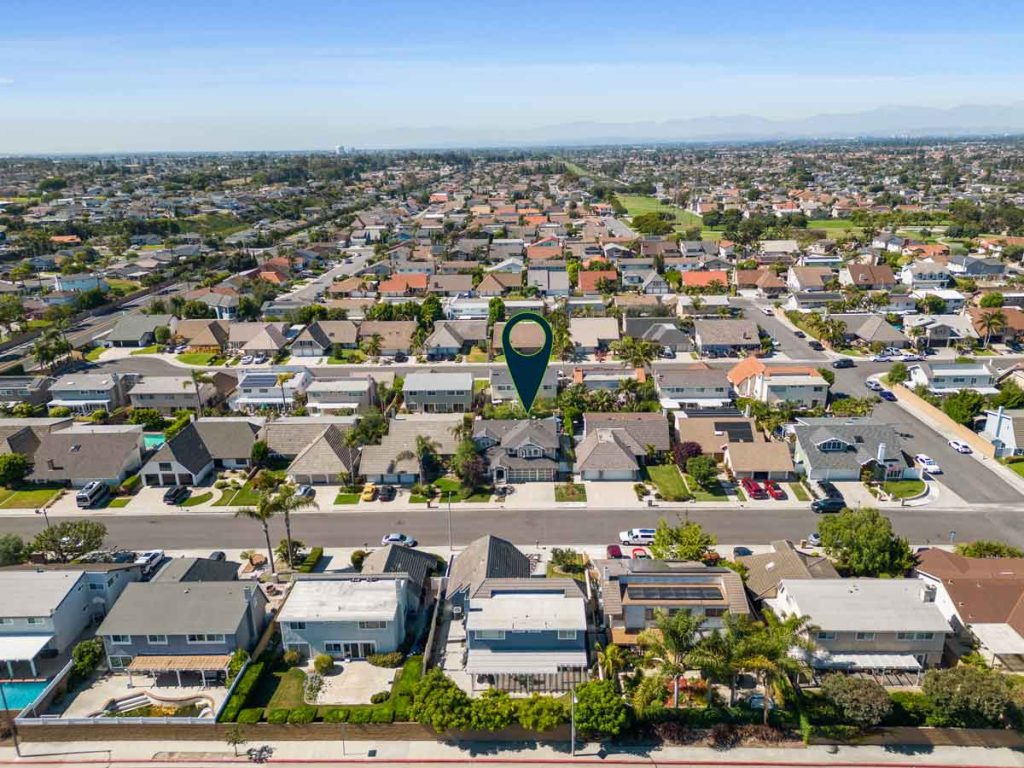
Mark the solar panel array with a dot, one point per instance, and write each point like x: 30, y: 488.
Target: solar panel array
x: 261, y: 380
x: 674, y: 593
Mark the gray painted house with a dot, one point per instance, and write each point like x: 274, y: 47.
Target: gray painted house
x: 138, y: 330
x: 519, y: 451
x: 182, y: 460
x: 439, y: 392
x: 843, y: 449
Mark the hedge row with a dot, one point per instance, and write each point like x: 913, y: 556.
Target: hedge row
x: 241, y: 693
x: 311, y: 560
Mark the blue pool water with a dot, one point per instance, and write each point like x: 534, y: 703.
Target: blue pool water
x: 153, y: 440
x: 20, y: 695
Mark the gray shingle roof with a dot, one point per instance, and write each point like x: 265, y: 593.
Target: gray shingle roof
x: 643, y: 428
x: 417, y: 564
x: 488, y: 557
x: 191, y: 569
x: 862, y: 440
x: 186, y: 448
x: 132, y: 327
x: 228, y: 438
x: 326, y: 455
x: 605, y: 449
x: 172, y: 608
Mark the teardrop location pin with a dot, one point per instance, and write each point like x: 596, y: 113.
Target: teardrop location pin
x: 527, y: 371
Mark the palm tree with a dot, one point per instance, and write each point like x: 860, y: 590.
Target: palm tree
x: 993, y: 321
x: 667, y: 644
x: 426, y: 450
x: 262, y: 513
x: 718, y: 655
x: 282, y: 379
x: 768, y: 651
x: 610, y: 661
x: 286, y: 502
x: 372, y: 345
x: 463, y: 430
x: 198, y: 378
x: 602, y: 400
x: 42, y: 351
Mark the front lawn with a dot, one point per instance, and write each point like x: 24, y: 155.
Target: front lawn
x: 476, y: 355
x: 715, y: 493
x: 799, y: 492
x: 27, y: 498
x: 460, y: 492
x: 346, y: 498
x: 669, y: 481
x: 1017, y: 466
x: 195, y: 501
x: 120, y: 501
x: 570, y: 492
x: 288, y: 693
x: 200, y: 358
x: 246, y: 496
x: 95, y: 354
x: 904, y: 489
x: 415, y: 498
x: 152, y: 349
x: 348, y: 356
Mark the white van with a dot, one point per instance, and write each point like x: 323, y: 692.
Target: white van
x: 643, y: 536
x: 92, y: 494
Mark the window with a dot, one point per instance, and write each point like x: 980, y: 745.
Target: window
x: 119, y: 662
x: 120, y: 639
x: 566, y: 634
x: 296, y: 625
x: 6, y: 621
x: 156, y: 639
x: 34, y: 620
x: 826, y: 636
x: 915, y: 635
x: 332, y: 647
x: 95, y: 587
x: 866, y: 636
x: 714, y: 613
x: 372, y: 624
x: 165, y: 466
x: 489, y: 634
x: 200, y: 638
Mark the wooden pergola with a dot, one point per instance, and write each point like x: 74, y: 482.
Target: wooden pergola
x: 156, y: 665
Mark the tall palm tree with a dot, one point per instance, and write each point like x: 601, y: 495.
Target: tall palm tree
x: 667, y: 644
x: 198, y: 378
x: 426, y: 449
x: 718, y: 655
x: 993, y: 321
x: 610, y: 661
x: 602, y: 400
x: 285, y: 502
x: 282, y: 379
x: 768, y: 651
x: 372, y: 345
x: 262, y: 513
x: 42, y: 351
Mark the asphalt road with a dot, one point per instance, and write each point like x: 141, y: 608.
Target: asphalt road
x: 793, y: 347
x: 185, y: 530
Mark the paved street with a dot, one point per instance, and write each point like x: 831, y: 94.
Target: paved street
x: 182, y: 530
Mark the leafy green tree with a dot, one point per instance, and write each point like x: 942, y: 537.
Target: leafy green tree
x: 262, y: 513
x: 495, y: 311
x: 992, y: 300
x: 863, y: 544
x: 438, y: 702
x: 1010, y: 396
x: 235, y: 737
x: 986, y: 548
x: 703, y: 470
x: 964, y: 406
x: 898, y: 373
x: 542, y: 713
x: 968, y: 696
x: 70, y: 539
x: 14, y: 467
x: 687, y: 541
x: 86, y: 656
x: 600, y: 710
x: 611, y: 661
x: 259, y: 453
x: 468, y: 464
x: 863, y: 701
x: 150, y: 419
x: 12, y: 549
x: 492, y: 710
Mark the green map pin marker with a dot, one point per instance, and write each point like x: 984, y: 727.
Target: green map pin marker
x: 527, y: 371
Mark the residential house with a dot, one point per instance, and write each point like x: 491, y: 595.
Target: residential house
x: 716, y: 433
x: 455, y: 337
x: 346, y: 616
x: 288, y: 436
x: 499, y: 283
x: 726, y: 338
x: 266, y: 339
x: 503, y: 389
x: 395, y: 335
x: 519, y: 451
x: 871, y: 329
x: 392, y: 462
x: 192, y: 631
x: 84, y: 393
x: 348, y: 394
x: 975, y: 267
x: 692, y: 387
x: 953, y: 301
x: 833, y: 449
x: 548, y: 282
x: 591, y: 334
x: 764, y: 282
x: 83, y: 453
x: 868, y: 277
x: 592, y: 281
x: 1009, y: 331
x: 228, y: 439
x: 765, y: 571
x: 181, y: 460
x: 34, y: 390
x: 404, y: 285
x: 769, y: 461
x: 706, y: 279
x: 272, y: 389
x: 138, y: 330
x: 438, y: 392
x: 633, y: 592
x: 925, y: 274
x: 809, y: 279
x: 1005, y: 430
x: 188, y: 570
x: 169, y: 394
x: 451, y: 285
x: 609, y: 379
x: 939, y: 330
x: 323, y: 337
x: 801, y: 385
x: 654, y: 284
x: 79, y: 282
x: 483, y: 559
x: 325, y: 459
x: 867, y: 624
x: 703, y: 306
x: 949, y: 378
x: 209, y: 336
x: 616, y: 445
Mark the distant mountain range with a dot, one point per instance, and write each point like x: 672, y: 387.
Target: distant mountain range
x: 883, y: 122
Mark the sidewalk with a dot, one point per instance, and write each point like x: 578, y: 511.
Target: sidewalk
x: 405, y: 752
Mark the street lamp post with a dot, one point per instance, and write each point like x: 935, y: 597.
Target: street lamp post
x: 14, y: 727
x: 450, y: 547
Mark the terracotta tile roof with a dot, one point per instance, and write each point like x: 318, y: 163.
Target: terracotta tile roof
x: 702, y: 279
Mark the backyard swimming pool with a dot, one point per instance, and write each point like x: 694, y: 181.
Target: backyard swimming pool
x: 20, y: 695
x: 154, y: 440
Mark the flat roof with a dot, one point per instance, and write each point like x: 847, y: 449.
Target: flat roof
x: 873, y: 605
x: 349, y: 600
x: 29, y: 594
x: 523, y: 611
x: 22, y: 647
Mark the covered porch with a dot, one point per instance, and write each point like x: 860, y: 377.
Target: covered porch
x: 527, y: 673
x: 22, y: 650
x: 208, y: 669
x: 889, y: 669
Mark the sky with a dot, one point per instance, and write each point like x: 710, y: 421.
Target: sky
x: 99, y: 75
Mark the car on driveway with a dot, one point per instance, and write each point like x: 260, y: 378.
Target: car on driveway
x: 613, y: 552
x: 246, y: 360
x: 888, y: 396
x: 814, y: 539
x: 639, y: 553
x: 753, y: 488
x: 775, y: 490
x: 843, y: 362
x: 960, y: 447
x: 387, y: 493
x: 176, y: 495
x: 398, y: 538
x: 910, y: 357
x: 742, y: 552
x: 369, y: 492
x: 305, y: 492
x: 756, y: 701
x: 928, y: 464
x: 881, y: 359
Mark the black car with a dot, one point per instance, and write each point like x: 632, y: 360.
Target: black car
x: 821, y: 506
x: 387, y: 493
x: 815, y: 345
x: 176, y: 495
x: 843, y: 362
x: 800, y: 334
x: 218, y: 556
x: 401, y: 357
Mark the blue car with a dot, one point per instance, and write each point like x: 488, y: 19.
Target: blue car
x: 885, y: 394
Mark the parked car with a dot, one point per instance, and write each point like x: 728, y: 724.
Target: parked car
x: 246, y: 360
x: 259, y: 359
x: 398, y: 538
x: 639, y: 553
x: 753, y: 488
x: 401, y: 357
x: 814, y: 539
x: 910, y: 357
x: 176, y: 495
x: 369, y: 492
x: 637, y: 536
x: 960, y: 447
x: 767, y: 311
x: 800, y: 334
x: 843, y: 362
x: 92, y: 494
x: 873, y: 385
x: 218, y: 556
x: 928, y: 464
x: 149, y: 560
x: 817, y: 346
x: 613, y: 552
x: 825, y: 506
x: 888, y: 396
x: 387, y: 493
x: 775, y: 490
x: 756, y: 701
x: 668, y: 353
x: 883, y: 358
x: 305, y: 492
x: 742, y: 552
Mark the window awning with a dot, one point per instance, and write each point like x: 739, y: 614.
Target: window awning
x: 481, y: 661
x: 22, y: 647
x: 866, y: 661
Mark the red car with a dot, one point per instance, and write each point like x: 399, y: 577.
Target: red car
x: 775, y: 490
x: 639, y: 553
x: 752, y: 488
x: 614, y: 552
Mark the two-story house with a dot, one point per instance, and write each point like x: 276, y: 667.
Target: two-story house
x: 692, y: 387
x: 503, y: 389
x: 269, y: 389
x: 84, y: 393
x: 949, y: 378
x: 519, y: 451
x: 801, y: 385
x: 169, y: 394
x: 34, y: 390
x: 438, y: 392
x: 350, y: 394
x: 925, y: 274
x: 323, y: 337
x: 832, y: 449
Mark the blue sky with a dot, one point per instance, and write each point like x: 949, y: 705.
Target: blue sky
x: 93, y: 75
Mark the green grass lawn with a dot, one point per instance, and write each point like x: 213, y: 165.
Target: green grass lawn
x: 152, y: 349
x: 38, y: 325
x: 26, y: 498
x: 198, y: 358
x: 460, y: 492
x: 415, y: 498
x: 348, y: 356
x: 346, y: 498
x: 835, y: 224
x: 570, y: 492
x: 246, y: 496
x: 476, y: 356
x: 288, y: 693
x: 95, y: 353
x: 479, y: 385
x: 1018, y: 467
x: 119, y: 502
x: 669, y: 480
x: 904, y: 489
x: 195, y: 501
x: 125, y: 285
x: 715, y: 493
x: 640, y: 204
x: 799, y: 492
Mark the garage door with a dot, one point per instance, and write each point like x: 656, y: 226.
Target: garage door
x: 167, y: 480
x: 184, y: 479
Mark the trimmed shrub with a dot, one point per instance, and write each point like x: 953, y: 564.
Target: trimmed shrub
x: 909, y: 708
x: 401, y: 705
x: 251, y: 715
x: 391, y: 660
x: 302, y: 715
x: 131, y: 485
x: 323, y: 663
x: 311, y: 561
x: 380, y: 697
x: 238, y: 659
x: 382, y: 715
x: 242, y: 690
x: 292, y: 658
x: 279, y: 716
x: 357, y: 559
x: 360, y: 716
x: 336, y: 715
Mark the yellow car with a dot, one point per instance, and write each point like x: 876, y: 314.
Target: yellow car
x: 369, y: 492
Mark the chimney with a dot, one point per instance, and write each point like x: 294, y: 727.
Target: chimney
x: 880, y: 456
x: 50, y: 464
x: 927, y: 593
